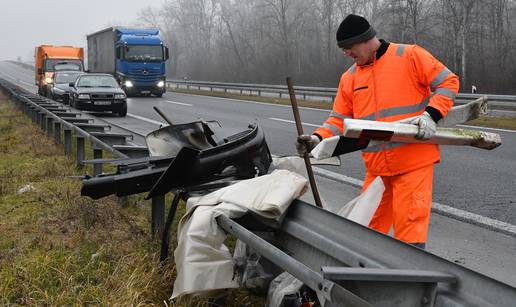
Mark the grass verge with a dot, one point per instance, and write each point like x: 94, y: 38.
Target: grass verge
x: 58, y: 248
x: 491, y: 122
x: 503, y: 122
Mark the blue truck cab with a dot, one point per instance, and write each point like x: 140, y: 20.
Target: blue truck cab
x: 135, y: 56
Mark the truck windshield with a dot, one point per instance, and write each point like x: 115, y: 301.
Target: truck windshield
x: 97, y: 81
x: 66, y: 77
x: 142, y: 53
x: 61, y: 64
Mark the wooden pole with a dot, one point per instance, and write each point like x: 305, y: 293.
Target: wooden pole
x: 299, y: 127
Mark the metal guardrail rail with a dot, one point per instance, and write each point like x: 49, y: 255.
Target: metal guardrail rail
x: 312, y: 93
x: 352, y: 265
x: 52, y: 117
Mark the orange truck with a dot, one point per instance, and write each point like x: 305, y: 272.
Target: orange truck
x: 49, y: 59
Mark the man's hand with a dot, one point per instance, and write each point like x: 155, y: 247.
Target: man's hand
x: 305, y: 143
x: 426, y: 126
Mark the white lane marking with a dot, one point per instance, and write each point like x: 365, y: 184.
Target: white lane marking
x: 18, y: 80
x: 292, y: 122
x: 147, y: 119
x: 179, y: 103
x: 479, y: 127
x: 10, y: 77
x: 438, y: 208
x: 27, y: 83
x: 257, y: 102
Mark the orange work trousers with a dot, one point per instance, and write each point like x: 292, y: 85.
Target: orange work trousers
x: 405, y: 204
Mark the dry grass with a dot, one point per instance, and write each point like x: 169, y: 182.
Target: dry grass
x: 58, y: 248
x: 495, y: 122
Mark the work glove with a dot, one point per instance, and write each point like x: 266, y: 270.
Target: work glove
x: 305, y: 143
x: 426, y: 126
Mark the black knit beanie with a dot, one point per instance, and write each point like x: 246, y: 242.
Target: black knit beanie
x: 354, y: 29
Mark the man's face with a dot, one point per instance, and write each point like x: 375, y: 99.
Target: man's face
x: 360, y: 52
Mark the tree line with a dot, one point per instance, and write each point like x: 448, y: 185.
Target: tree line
x: 263, y: 41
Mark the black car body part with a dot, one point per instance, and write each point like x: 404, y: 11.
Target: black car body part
x: 185, y: 155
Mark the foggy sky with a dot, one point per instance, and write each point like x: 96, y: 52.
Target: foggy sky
x: 25, y: 24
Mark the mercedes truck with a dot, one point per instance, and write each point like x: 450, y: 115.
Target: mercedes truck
x: 134, y: 56
x: 48, y: 59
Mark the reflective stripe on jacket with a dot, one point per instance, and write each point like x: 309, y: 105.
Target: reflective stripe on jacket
x: 400, y: 84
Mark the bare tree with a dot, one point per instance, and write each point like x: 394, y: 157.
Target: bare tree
x: 265, y: 40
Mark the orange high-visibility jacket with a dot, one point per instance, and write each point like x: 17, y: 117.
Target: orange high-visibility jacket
x: 400, y: 84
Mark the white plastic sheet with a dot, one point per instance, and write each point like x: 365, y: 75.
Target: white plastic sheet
x: 362, y: 208
x: 203, y: 262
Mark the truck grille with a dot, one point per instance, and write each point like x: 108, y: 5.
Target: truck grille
x: 145, y: 74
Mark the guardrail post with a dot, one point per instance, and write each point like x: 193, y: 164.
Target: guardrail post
x: 50, y: 127
x: 67, y: 141
x: 158, y: 215
x: 123, y: 201
x: 80, y: 150
x: 42, y: 121
x: 97, y: 167
x: 29, y: 113
x: 35, y: 115
x: 57, y: 132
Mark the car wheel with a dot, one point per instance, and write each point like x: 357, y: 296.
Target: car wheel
x: 123, y: 110
x: 159, y: 95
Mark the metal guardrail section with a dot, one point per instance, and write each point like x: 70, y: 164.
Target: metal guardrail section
x: 352, y: 265
x: 54, y: 117
x: 60, y: 121
x: 307, y: 91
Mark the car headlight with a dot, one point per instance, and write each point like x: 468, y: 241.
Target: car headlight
x: 48, y: 80
x: 84, y: 96
x: 58, y: 90
x: 161, y: 83
x: 128, y: 83
x: 119, y: 96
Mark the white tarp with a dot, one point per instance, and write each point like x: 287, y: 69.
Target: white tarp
x: 362, y: 208
x: 203, y: 262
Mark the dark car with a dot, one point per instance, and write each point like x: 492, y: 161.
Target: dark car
x: 60, y: 87
x: 98, y: 92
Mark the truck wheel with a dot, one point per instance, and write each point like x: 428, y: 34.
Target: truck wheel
x: 159, y: 95
x: 123, y: 111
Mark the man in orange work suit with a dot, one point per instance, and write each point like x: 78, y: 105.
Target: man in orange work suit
x: 392, y: 82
